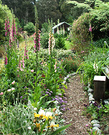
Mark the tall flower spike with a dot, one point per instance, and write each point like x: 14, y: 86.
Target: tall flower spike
x: 19, y: 64
x: 7, y: 27
x: 26, y: 53
x: 51, y: 43
x: 13, y: 30
x: 35, y: 41
x: 6, y: 60
x: 90, y: 28
x: 23, y: 62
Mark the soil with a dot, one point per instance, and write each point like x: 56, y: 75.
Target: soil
x: 76, y: 97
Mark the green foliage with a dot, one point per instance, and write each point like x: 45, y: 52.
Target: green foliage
x: 78, y: 5
x: 100, y: 43
x: 11, y: 67
x: 80, y: 34
x: 100, y: 19
x: 74, y: 9
x: 101, y: 14
x: 93, y: 65
x: 67, y: 44
x: 17, y: 119
x: 4, y: 13
x: 60, y: 42
x: 60, y: 129
x: 97, y: 17
x: 24, y: 10
x: 95, y: 110
x: 46, y: 12
x: 30, y: 28
x: 70, y: 64
x: 45, y: 27
x: 44, y: 40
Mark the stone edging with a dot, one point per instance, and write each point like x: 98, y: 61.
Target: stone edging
x: 69, y: 75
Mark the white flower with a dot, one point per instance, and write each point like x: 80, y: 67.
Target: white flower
x: 48, y: 114
x: 13, y: 82
x: 52, y: 123
x: 9, y: 90
x: 29, y: 128
x: 41, y: 112
x: 35, y: 109
x: 95, y: 66
x: 12, y: 88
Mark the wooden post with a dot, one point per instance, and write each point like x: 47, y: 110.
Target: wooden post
x: 99, y: 87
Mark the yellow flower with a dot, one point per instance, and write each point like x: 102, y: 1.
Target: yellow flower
x: 47, y: 117
x: 53, y: 125
x: 36, y: 115
x: 50, y: 117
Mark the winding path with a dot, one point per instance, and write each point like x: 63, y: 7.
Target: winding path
x: 76, y: 99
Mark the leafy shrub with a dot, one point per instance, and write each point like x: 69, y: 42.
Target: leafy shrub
x: 60, y: 42
x: 45, y: 27
x: 71, y: 64
x: 100, y: 19
x: 93, y: 65
x: 30, y: 28
x: 80, y: 34
x: 44, y: 40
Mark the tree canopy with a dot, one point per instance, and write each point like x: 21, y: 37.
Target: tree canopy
x: 64, y: 10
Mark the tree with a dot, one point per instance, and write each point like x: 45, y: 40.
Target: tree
x: 48, y: 9
x: 100, y: 19
x: 24, y: 10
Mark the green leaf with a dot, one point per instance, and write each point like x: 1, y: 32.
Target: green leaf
x: 60, y: 129
x: 64, y: 85
x: 43, y: 126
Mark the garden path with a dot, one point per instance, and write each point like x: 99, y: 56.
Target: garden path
x: 76, y: 97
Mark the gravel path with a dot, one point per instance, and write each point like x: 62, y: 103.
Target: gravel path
x: 76, y: 100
